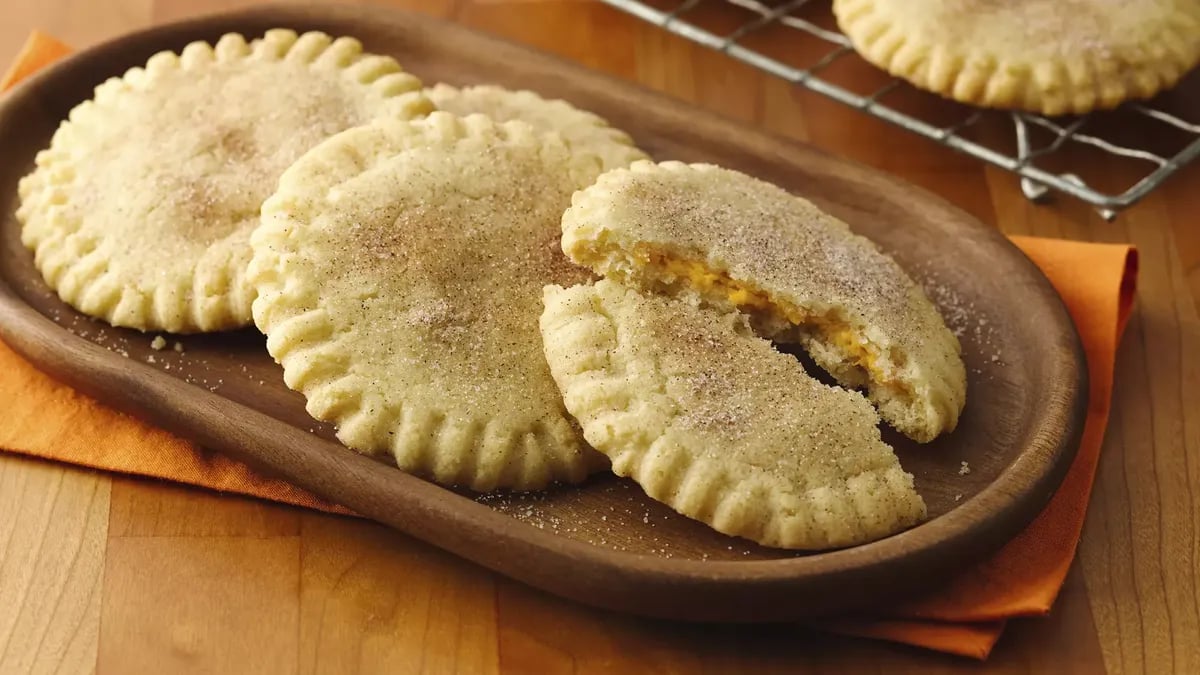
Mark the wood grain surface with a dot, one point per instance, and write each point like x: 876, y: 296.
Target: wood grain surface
x: 108, y: 573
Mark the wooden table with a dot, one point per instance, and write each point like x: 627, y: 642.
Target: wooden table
x: 101, y: 572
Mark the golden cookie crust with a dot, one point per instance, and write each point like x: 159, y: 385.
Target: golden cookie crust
x: 399, y: 269
x: 714, y: 422
x: 1048, y: 56
x: 802, y: 274
x: 584, y: 131
x: 140, y: 211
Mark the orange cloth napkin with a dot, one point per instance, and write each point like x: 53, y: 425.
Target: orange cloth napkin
x: 966, y: 617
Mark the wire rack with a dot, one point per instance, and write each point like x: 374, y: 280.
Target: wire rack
x: 1038, y: 149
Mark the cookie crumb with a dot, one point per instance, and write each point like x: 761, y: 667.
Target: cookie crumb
x: 158, y: 343
x: 179, y: 347
x: 964, y: 469
x: 958, y: 497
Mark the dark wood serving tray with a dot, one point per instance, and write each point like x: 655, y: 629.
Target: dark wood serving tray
x: 603, y: 543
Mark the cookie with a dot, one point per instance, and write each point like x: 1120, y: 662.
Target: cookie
x: 1049, y: 56
x: 399, y: 269
x: 713, y: 421
x: 802, y: 275
x: 140, y: 211
x: 585, y: 132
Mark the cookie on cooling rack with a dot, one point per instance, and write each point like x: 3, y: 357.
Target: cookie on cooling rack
x: 713, y: 421
x: 1048, y: 56
x: 140, y: 211
x: 582, y: 130
x: 399, y: 270
x: 738, y: 242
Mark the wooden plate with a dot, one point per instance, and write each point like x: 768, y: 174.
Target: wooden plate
x: 603, y: 543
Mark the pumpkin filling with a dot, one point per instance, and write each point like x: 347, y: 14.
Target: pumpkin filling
x: 835, y: 332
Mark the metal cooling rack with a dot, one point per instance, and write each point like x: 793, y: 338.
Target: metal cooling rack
x: 1055, y: 134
